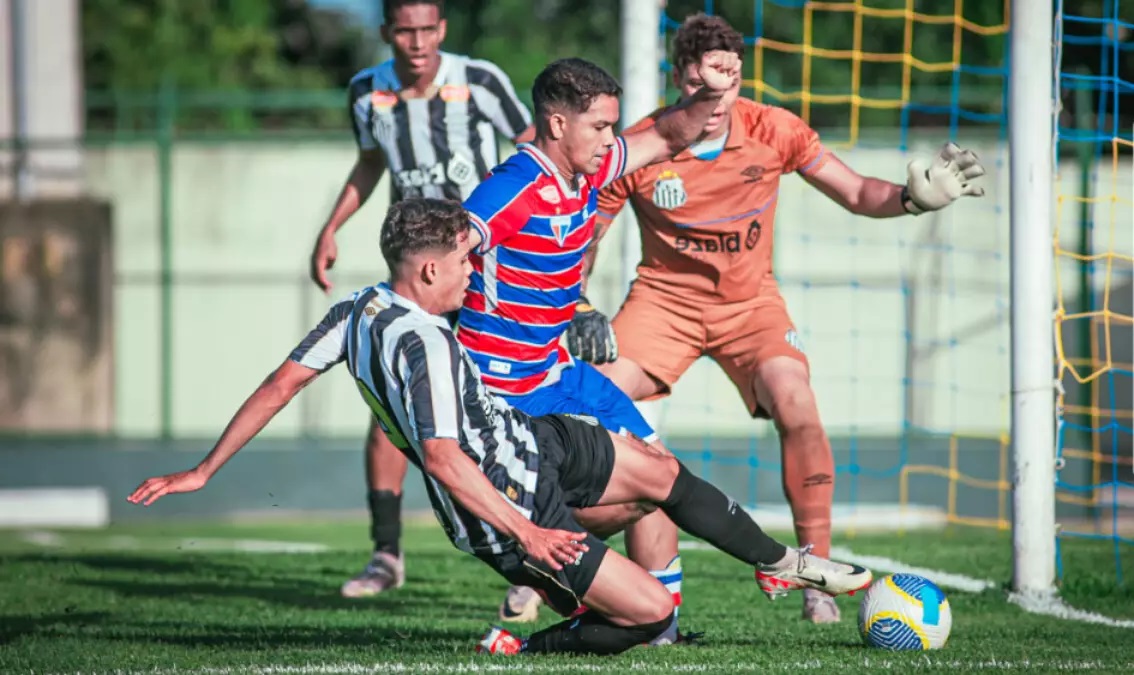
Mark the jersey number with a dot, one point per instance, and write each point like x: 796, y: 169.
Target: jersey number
x: 385, y: 419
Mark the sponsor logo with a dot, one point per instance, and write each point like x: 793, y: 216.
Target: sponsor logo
x: 720, y: 242
x: 755, y: 229
x: 723, y: 242
x: 499, y: 367
x: 410, y: 181
x: 820, y: 582
x: 588, y: 419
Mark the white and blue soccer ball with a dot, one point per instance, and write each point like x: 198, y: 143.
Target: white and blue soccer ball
x: 904, y: 612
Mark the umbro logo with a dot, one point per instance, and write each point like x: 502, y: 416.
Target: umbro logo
x: 753, y: 174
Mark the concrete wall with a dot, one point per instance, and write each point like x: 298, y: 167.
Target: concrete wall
x: 52, y: 65
x: 904, y: 320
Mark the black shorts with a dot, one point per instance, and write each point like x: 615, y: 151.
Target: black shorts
x: 576, y: 460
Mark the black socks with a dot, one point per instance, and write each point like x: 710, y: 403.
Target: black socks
x: 591, y: 633
x: 699, y: 508
x: 385, y: 520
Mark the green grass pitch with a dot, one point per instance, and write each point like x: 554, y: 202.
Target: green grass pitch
x: 176, y: 598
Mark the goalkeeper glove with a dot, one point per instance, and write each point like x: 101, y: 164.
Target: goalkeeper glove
x: 938, y: 183
x: 590, y: 336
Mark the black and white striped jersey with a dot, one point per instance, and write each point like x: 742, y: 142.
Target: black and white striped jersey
x: 421, y: 385
x: 441, y: 146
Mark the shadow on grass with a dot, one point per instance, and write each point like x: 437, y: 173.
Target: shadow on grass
x: 156, y: 576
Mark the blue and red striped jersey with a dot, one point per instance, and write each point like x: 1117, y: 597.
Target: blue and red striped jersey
x: 527, y: 270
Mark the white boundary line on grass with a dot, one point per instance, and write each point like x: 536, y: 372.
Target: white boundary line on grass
x: 1047, y: 605
x: 522, y: 665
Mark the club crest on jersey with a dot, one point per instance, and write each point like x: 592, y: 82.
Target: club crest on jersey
x: 669, y: 191
x: 560, y: 227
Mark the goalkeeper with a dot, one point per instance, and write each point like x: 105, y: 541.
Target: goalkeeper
x: 705, y: 284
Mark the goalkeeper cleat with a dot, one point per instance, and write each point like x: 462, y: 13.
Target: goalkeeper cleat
x: 498, y: 641
x: 799, y: 569
x: 820, y: 607
x: 384, y: 572
x: 521, y: 605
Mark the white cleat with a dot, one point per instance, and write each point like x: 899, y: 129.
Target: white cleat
x: 799, y: 569
x: 384, y: 572
x: 521, y: 605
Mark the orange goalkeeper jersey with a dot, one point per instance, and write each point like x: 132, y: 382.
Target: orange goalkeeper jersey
x: 706, y: 225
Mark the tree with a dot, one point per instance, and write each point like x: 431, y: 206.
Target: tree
x: 140, y: 46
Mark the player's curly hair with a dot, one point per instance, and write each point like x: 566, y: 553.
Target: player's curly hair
x: 418, y: 224
x: 390, y: 6
x: 571, y: 84
x: 701, y: 33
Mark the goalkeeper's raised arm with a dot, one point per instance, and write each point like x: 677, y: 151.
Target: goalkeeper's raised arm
x: 932, y: 184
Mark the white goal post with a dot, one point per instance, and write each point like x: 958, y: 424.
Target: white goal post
x: 1034, y: 71
x: 1031, y: 134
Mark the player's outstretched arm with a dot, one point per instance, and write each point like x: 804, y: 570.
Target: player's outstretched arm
x: 360, y: 184
x: 269, y: 398
x: 932, y: 185
x: 445, y: 462
x: 681, y: 124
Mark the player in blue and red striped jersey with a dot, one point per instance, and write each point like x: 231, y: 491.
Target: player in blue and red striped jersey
x: 533, y: 219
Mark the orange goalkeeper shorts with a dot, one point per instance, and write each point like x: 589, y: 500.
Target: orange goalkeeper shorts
x: 665, y: 335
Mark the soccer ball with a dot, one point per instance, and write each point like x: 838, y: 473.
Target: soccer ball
x: 903, y: 612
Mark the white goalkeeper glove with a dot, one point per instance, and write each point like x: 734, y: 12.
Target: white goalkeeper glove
x: 935, y: 184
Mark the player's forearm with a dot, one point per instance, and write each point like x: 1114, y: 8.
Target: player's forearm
x: 357, y: 189
x: 268, y: 399
x: 876, y: 198
x: 461, y: 477
x: 602, y: 225
x: 681, y: 124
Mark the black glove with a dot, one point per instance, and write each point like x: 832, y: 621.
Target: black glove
x: 590, y: 336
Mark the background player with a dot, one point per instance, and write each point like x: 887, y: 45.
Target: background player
x: 500, y: 481
x: 432, y: 119
x: 533, y: 220
x: 705, y: 284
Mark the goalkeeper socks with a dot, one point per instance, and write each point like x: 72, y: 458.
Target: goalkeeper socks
x: 703, y: 511
x: 592, y: 633
x: 385, y: 521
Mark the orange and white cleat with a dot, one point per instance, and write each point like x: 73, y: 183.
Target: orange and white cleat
x: 799, y: 569
x: 498, y: 641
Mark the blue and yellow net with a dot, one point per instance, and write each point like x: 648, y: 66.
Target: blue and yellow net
x: 906, y: 321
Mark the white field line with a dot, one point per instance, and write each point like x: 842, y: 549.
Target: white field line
x: 923, y: 662
x: 1047, y: 605
x: 49, y: 539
